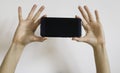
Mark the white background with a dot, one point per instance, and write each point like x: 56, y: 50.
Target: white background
x: 57, y: 55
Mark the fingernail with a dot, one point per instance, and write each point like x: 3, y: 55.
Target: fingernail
x: 34, y: 5
x: 43, y: 6
x: 78, y: 7
x: 85, y: 6
x: 45, y: 15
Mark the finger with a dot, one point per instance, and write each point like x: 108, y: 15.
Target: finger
x: 39, y: 20
x: 77, y: 16
x: 84, y: 24
x: 20, y: 13
x: 80, y: 18
x: 97, y: 16
x: 83, y: 14
x: 38, y: 13
x: 38, y: 23
x: 82, y: 39
x: 44, y: 15
x: 83, y: 21
x: 30, y: 15
x: 39, y: 39
x: 89, y: 13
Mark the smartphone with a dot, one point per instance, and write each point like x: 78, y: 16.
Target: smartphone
x: 60, y: 27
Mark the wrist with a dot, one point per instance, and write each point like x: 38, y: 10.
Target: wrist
x: 16, y: 45
x: 17, y: 42
x: 99, y: 47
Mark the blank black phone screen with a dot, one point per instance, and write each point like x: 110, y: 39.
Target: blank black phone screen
x: 60, y: 27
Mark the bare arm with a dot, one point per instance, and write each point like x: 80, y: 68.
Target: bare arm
x: 101, y: 59
x: 95, y: 37
x: 11, y: 59
x: 24, y: 35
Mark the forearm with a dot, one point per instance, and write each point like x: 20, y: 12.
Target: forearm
x: 11, y: 59
x: 101, y: 59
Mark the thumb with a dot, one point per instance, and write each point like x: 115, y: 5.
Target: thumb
x: 38, y: 39
x: 82, y: 39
